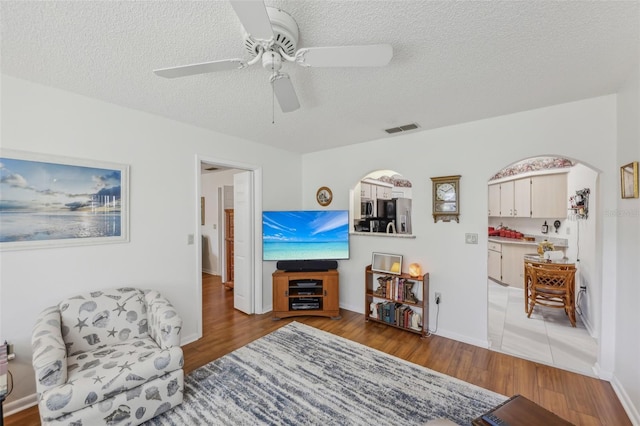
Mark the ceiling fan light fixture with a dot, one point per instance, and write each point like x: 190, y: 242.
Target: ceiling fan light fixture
x: 271, y: 36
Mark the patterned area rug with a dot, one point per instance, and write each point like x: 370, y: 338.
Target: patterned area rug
x: 299, y: 375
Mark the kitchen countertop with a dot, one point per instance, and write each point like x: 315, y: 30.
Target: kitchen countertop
x: 535, y: 257
x: 557, y: 242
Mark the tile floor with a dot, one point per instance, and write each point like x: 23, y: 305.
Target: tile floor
x: 547, y: 337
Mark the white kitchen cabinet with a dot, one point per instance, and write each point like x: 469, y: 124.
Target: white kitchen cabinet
x: 383, y: 192
x: 522, y: 198
x: 506, y: 199
x: 365, y: 190
x: 494, y: 200
x: 513, y: 263
x: 494, y: 262
x: 541, y: 196
x: 549, y: 196
x: 515, y: 198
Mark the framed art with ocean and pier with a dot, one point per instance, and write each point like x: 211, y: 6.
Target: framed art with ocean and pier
x: 52, y: 201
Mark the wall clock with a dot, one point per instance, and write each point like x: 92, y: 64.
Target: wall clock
x: 324, y: 196
x: 446, y: 198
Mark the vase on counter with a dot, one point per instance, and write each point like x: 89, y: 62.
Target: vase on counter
x: 544, y: 246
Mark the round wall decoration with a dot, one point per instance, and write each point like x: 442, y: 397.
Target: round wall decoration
x: 324, y: 196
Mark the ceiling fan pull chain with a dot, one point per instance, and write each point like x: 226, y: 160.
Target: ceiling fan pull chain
x: 273, y: 99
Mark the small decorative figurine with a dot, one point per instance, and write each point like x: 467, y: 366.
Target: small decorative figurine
x: 416, y: 319
x: 374, y: 310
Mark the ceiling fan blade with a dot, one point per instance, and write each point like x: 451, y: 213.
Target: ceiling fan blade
x: 285, y: 92
x: 202, y: 68
x: 254, y: 18
x: 375, y: 55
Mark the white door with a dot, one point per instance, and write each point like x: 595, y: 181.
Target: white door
x: 243, y: 242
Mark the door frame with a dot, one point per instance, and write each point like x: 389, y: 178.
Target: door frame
x: 256, y: 176
x: 604, y: 352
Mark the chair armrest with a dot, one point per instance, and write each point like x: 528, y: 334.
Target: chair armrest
x: 49, y: 350
x: 164, y: 322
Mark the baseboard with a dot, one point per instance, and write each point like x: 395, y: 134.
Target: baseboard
x: 626, y: 401
x: 18, y: 405
x: 209, y: 271
x: 588, y: 326
x: 357, y: 309
x: 464, y: 339
x: 185, y: 340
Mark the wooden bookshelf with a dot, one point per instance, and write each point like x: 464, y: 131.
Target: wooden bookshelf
x: 399, y: 301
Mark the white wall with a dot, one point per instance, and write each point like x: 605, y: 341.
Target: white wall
x: 165, y: 206
x: 161, y: 154
x: 583, y: 130
x: 583, y: 247
x: 627, y: 337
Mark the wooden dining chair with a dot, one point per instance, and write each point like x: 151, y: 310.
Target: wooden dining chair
x: 553, y: 287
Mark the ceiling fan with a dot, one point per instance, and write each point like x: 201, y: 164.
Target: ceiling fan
x: 271, y: 35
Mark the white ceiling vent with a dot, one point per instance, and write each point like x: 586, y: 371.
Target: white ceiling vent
x: 400, y: 129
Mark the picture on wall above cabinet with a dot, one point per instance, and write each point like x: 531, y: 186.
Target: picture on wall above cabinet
x: 629, y: 180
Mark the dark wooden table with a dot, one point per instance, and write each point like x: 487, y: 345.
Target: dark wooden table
x: 520, y: 411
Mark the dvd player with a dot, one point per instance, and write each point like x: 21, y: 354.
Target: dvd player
x: 296, y: 306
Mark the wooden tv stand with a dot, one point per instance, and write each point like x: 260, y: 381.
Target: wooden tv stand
x: 306, y: 293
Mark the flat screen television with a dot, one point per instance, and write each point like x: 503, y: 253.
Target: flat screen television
x: 305, y: 235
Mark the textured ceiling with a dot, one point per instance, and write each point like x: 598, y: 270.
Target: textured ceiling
x: 453, y: 61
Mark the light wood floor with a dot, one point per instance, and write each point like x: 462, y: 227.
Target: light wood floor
x: 580, y: 399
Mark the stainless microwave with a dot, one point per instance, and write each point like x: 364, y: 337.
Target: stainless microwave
x: 367, y: 207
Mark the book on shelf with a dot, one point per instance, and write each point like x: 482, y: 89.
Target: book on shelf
x: 395, y: 288
x: 394, y: 313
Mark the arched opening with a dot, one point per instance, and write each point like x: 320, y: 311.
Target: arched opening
x: 530, y: 201
x: 381, y: 204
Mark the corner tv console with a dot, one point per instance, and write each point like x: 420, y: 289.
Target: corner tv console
x: 306, y: 293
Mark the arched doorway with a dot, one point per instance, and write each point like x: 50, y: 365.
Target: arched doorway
x: 547, y: 336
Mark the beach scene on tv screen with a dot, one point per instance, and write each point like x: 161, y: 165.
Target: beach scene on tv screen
x: 305, y: 235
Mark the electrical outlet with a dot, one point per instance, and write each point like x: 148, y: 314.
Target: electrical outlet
x: 438, y: 298
x: 568, y: 230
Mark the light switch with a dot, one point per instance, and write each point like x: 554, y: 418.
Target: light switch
x: 471, y: 238
x: 190, y: 239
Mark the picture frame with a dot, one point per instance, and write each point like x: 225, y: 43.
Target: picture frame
x: 386, y: 263
x: 629, y: 180
x: 324, y: 196
x: 51, y: 201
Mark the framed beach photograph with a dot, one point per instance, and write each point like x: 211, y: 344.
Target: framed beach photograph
x: 51, y: 201
x: 629, y: 180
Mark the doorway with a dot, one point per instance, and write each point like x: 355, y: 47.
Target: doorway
x: 547, y: 336
x: 250, y: 253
